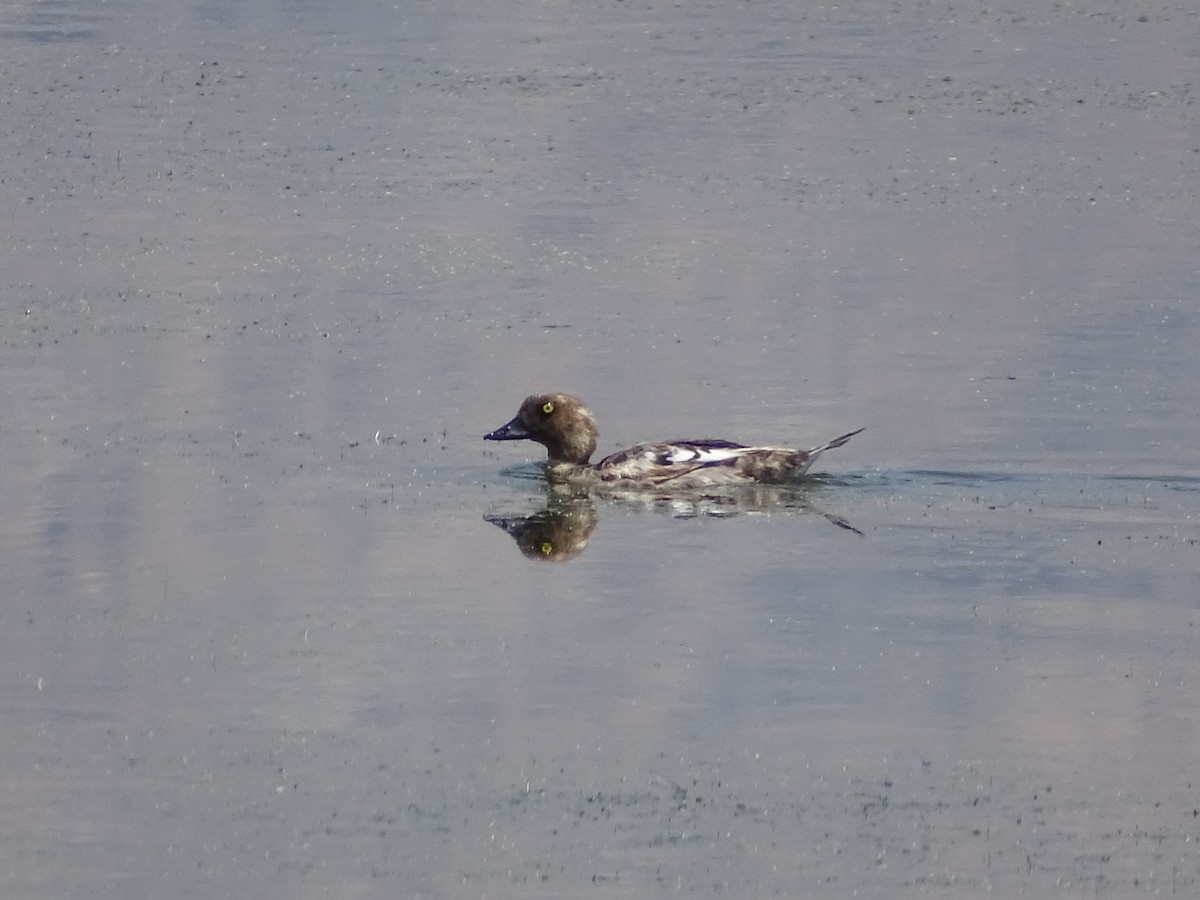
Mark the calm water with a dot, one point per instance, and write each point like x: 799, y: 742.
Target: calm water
x: 274, y: 621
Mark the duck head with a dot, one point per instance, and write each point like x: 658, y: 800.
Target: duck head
x: 559, y: 422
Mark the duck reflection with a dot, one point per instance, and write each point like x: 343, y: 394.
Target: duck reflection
x: 556, y: 533
x: 560, y: 531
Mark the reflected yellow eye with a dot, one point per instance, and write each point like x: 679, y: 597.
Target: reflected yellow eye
x: 547, y: 548
x: 548, y: 407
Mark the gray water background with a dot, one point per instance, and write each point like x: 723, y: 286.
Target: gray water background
x: 267, y: 273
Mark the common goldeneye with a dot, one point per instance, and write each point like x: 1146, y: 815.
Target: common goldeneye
x: 565, y: 427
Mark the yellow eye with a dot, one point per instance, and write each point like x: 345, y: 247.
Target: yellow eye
x: 548, y: 407
x: 547, y: 548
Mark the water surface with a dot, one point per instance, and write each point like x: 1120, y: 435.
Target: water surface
x: 269, y: 273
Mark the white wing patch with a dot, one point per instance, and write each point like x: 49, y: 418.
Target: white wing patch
x: 703, y: 456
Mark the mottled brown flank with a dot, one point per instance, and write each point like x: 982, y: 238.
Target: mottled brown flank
x: 649, y: 464
x: 772, y: 466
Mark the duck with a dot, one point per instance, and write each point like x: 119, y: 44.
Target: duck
x: 567, y: 429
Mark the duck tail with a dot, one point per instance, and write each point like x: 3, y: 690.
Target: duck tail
x: 835, y: 443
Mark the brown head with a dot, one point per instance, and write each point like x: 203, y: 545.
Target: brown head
x: 559, y: 422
